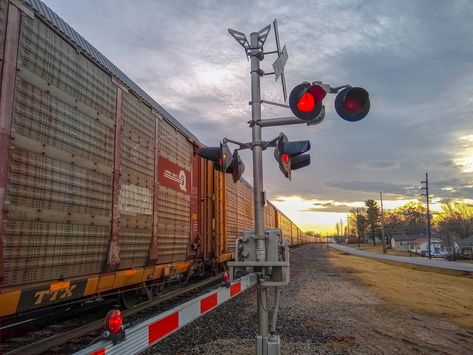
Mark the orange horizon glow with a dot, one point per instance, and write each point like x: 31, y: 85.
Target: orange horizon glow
x: 297, y: 209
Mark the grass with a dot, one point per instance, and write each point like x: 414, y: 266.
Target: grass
x: 445, y: 295
x: 378, y: 249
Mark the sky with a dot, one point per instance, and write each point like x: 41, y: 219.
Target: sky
x: 414, y: 57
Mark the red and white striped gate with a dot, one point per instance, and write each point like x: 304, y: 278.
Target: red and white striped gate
x: 149, y: 332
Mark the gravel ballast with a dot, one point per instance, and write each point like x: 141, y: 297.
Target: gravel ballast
x: 323, y: 311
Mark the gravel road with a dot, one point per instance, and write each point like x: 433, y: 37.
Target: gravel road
x: 323, y: 310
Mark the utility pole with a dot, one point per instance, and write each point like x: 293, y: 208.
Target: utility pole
x: 357, y: 230
x: 382, y: 223
x: 426, y: 188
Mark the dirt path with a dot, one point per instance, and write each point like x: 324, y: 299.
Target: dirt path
x: 323, y: 310
x: 366, y: 324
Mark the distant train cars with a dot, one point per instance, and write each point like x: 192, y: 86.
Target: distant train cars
x: 100, y: 187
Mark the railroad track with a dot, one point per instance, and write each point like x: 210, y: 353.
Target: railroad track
x: 82, y: 335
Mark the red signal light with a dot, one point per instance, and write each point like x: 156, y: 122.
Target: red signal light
x: 285, y: 158
x: 318, y: 92
x: 114, y: 321
x: 306, y: 103
x: 352, y: 105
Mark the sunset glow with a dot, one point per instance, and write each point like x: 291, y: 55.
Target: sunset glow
x: 322, y: 216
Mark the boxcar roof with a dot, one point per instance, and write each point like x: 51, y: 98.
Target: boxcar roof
x: 59, y: 25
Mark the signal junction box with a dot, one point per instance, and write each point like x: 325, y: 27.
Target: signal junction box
x: 276, y: 263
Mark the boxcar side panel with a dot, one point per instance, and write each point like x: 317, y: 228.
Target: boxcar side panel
x: 136, y: 182
x: 285, y: 226
x: 60, y: 162
x: 174, y: 194
x: 269, y: 216
x: 245, y: 208
x: 231, y: 213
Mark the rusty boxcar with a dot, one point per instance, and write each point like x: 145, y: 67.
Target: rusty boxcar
x: 100, y: 187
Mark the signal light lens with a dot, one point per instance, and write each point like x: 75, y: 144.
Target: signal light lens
x: 221, y: 156
x: 352, y: 104
x: 285, y: 158
x: 306, y: 103
x: 318, y: 93
x: 114, y: 321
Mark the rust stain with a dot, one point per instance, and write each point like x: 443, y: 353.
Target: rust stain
x: 153, y: 250
x: 113, y: 256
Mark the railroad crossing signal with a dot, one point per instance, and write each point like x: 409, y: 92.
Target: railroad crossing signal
x: 352, y: 104
x: 305, y: 101
x: 221, y: 156
x: 289, y: 155
x: 236, y: 167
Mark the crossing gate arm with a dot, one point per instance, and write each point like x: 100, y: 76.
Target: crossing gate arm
x: 151, y: 331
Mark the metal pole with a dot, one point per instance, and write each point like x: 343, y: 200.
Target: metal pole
x: 428, y: 211
x: 256, y: 55
x: 382, y: 223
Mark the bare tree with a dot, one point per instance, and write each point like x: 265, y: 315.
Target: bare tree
x: 456, y: 218
x: 393, y: 223
x: 361, y: 223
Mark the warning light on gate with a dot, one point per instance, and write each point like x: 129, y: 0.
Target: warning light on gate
x: 114, y: 326
x: 114, y: 321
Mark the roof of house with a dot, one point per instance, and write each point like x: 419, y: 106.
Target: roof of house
x: 403, y: 237
x: 467, y: 242
x: 425, y: 240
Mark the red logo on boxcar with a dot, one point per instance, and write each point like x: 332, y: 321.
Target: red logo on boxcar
x: 173, y: 176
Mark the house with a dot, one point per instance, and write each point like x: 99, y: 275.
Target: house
x: 465, y: 247
x: 421, y: 246
x: 402, y: 242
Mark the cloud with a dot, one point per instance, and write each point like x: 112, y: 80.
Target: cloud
x: 417, y: 69
x: 329, y: 208
x: 368, y: 186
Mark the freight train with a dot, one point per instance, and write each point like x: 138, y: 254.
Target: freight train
x: 101, y: 188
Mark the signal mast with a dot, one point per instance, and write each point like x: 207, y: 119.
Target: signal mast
x: 261, y: 251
